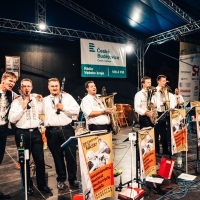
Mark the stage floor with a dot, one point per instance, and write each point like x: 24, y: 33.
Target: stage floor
x: 10, y: 181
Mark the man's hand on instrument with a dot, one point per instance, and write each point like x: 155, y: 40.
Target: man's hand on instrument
x: 59, y: 106
x: 148, y: 113
x: 109, y: 111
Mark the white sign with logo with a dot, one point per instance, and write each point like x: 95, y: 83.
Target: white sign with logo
x: 102, y: 59
x: 189, y: 77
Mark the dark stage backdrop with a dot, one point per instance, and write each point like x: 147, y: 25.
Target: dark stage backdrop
x: 46, y: 58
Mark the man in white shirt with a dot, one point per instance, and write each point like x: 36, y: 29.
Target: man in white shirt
x: 8, y: 81
x: 179, y: 98
x: 24, y: 113
x: 95, y: 113
x: 59, y: 109
x: 140, y: 104
x: 162, y: 128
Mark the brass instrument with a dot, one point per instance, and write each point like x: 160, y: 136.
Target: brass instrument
x: 165, y: 94
x: 109, y: 103
x: 150, y: 92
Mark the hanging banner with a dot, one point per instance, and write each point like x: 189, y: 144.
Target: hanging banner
x: 198, y: 123
x: 178, y: 131
x: 96, y: 161
x: 102, y: 59
x: 189, y: 77
x: 147, y: 152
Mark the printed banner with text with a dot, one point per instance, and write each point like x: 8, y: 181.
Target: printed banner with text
x: 198, y: 123
x: 147, y: 152
x: 178, y: 131
x: 189, y: 77
x: 96, y: 161
x: 102, y: 59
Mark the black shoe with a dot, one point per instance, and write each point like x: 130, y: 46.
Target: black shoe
x: 61, y: 185
x: 4, y: 196
x: 74, y: 183
x: 45, y: 189
x: 30, y: 191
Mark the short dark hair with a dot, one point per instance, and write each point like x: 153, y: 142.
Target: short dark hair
x: 87, y: 83
x: 144, y: 78
x: 161, y: 76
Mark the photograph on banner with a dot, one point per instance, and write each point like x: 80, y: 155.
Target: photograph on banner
x: 178, y: 131
x: 102, y: 59
x: 198, y: 123
x: 96, y: 161
x: 189, y: 77
x: 12, y: 64
x: 147, y: 152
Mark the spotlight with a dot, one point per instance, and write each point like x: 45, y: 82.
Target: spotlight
x: 42, y: 26
x: 129, y: 48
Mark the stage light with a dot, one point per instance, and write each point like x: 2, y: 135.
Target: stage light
x: 129, y: 48
x: 42, y: 26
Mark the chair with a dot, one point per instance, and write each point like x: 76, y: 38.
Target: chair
x: 121, y: 118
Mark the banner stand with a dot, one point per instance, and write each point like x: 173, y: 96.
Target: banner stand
x: 189, y: 115
x: 133, y: 137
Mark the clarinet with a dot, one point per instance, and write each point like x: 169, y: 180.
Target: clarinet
x: 60, y: 97
x: 23, y: 97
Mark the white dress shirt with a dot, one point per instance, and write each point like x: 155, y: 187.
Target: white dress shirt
x: 159, y: 100
x: 89, y: 104
x: 27, y: 118
x: 180, y: 97
x: 140, y: 102
x: 70, y: 108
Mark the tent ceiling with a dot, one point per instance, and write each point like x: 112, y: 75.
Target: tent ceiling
x: 139, y: 18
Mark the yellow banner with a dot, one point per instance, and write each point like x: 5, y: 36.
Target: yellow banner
x: 198, y: 123
x: 194, y: 103
x: 98, y: 158
x: 147, y: 152
x: 178, y: 131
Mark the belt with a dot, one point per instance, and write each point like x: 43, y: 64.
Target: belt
x: 58, y: 127
x: 4, y: 126
x: 28, y: 129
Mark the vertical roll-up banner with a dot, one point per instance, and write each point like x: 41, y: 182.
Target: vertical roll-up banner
x: 178, y: 131
x: 102, y: 59
x: 189, y: 77
x: 147, y: 152
x: 198, y: 123
x: 96, y: 162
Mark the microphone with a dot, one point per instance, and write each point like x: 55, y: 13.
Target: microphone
x: 28, y: 106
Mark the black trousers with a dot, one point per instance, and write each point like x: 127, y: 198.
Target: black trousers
x: 3, y: 137
x: 33, y: 142
x: 145, y: 121
x: 55, y: 137
x: 161, y: 129
x: 94, y: 127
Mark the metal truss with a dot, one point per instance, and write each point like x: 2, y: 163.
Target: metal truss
x: 94, y: 18
x: 172, y: 34
x: 40, y: 11
x: 51, y: 31
x: 173, y: 7
x: 187, y: 40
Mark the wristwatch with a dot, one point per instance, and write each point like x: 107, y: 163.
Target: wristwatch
x: 103, y: 112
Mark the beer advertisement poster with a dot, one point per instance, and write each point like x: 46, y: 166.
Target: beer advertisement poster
x: 147, y: 152
x: 96, y: 161
x: 178, y: 131
x: 198, y: 123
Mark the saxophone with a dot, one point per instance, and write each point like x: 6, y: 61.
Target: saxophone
x: 108, y: 102
x: 165, y: 93
x: 150, y: 92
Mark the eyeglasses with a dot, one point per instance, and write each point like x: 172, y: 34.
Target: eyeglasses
x: 28, y: 86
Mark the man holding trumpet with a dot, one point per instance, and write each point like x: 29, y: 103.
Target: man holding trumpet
x: 93, y: 108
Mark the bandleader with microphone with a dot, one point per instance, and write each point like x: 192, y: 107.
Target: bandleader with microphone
x: 24, y: 113
x: 59, y: 107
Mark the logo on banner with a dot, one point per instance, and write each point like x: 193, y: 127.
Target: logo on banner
x: 184, y: 78
x: 91, y: 47
x: 186, y: 72
x: 185, y: 91
x: 195, y: 71
x: 196, y: 88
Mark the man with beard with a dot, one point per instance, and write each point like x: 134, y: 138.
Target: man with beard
x: 95, y: 113
x: 58, y: 110
x: 8, y: 81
